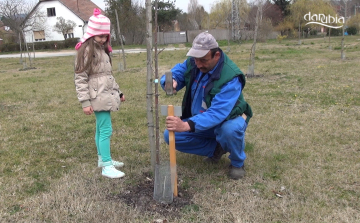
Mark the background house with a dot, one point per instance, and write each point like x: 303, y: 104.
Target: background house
x: 6, y: 34
x: 78, y: 11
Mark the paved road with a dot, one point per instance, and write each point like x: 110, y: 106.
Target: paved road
x: 72, y: 52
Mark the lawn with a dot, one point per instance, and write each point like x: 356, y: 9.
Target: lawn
x: 302, y: 144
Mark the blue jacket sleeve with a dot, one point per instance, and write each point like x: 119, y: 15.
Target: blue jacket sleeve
x: 178, y: 72
x: 220, y: 108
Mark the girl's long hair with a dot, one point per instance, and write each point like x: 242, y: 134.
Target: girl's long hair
x: 85, y: 58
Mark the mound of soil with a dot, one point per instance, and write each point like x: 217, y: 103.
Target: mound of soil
x: 140, y: 196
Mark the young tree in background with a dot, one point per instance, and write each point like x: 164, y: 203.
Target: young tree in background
x: 184, y: 21
x: 297, y: 12
x: 131, y: 17
x: 302, y: 7
x: 20, y: 16
x: 197, y: 14
x: 345, y: 13
x: 220, y: 16
x: 64, y: 27
x: 167, y: 12
x: 273, y: 12
x: 283, y: 5
x: 258, y: 20
x: 354, y: 21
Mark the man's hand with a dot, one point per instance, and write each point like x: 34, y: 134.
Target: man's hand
x: 88, y: 110
x: 174, y: 86
x: 176, y: 124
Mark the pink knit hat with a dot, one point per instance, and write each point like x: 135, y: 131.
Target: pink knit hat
x: 98, y: 25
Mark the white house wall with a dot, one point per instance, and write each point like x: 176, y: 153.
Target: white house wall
x: 61, y: 11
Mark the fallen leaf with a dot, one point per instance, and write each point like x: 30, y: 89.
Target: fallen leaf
x: 160, y: 221
x: 277, y: 194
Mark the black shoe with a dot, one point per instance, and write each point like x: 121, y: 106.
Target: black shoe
x: 218, y: 153
x: 236, y: 173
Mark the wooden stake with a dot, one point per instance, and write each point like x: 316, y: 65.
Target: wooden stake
x: 172, y: 154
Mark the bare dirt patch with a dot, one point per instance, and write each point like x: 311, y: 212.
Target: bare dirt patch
x: 140, y: 196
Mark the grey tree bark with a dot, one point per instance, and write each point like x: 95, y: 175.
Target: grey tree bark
x: 157, y: 128
x: 121, y: 40
x: 343, y: 33
x: 149, y: 81
x: 253, y: 48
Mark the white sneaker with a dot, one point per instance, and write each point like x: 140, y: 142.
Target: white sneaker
x: 111, y: 172
x: 114, y: 163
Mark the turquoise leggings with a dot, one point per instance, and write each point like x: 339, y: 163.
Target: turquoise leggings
x: 103, y: 134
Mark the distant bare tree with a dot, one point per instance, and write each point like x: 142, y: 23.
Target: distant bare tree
x: 220, y: 16
x: 20, y: 16
x: 197, y: 14
x: 343, y: 28
x: 258, y: 20
x: 64, y: 27
x: 184, y: 22
x: 132, y: 17
x: 6, y: 34
x: 273, y: 12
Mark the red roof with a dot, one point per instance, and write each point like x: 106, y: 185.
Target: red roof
x: 82, y: 8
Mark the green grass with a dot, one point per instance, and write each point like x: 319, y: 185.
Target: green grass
x: 302, y: 141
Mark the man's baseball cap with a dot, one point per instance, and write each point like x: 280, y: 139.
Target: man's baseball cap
x: 202, y: 44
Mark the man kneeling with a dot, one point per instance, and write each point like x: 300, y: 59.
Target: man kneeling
x: 215, y: 114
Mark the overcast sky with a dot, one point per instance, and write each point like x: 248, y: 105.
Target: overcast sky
x: 182, y: 4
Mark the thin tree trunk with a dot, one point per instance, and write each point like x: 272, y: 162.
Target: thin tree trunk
x: 228, y: 39
x: 329, y: 38
x: 157, y: 128
x: 33, y: 46
x: 342, y: 46
x: 343, y: 34
x: 27, y: 50
x: 149, y: 95
x: 299, y: 33
x: 21, y: 57
x: 253, y: 48
x: 121, y: 40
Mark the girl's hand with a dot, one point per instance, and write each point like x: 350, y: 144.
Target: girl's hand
x: 88, y: 110
x: 122, y: 98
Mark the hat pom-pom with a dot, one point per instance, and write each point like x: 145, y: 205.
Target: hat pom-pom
x: 97, y: 11
x: 78, y: 45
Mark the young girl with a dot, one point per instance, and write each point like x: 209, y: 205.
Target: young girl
x: 96, y: 87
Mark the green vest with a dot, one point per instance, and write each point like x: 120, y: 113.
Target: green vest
x: 225, y: 72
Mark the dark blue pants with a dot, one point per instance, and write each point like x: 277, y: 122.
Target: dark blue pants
x: 230, y: 134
